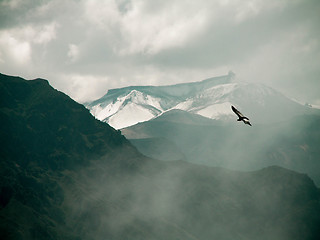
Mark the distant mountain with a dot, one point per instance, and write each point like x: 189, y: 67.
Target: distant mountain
x: 210, y: 98
x: 159, y: 148
x: 292, y: 144
x: 66, y: 175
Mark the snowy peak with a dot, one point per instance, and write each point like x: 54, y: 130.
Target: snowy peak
x: 210, y: 98
x: 127, y: 110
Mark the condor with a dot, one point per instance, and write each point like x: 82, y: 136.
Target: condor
x: 241, y: 117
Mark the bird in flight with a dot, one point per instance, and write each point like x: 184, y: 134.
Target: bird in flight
x: 241, y: 117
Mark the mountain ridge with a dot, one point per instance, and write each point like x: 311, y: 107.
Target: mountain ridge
x: 211, y: 98
x: 21, y: 99
x: 209, y: 81
x: 146, y: 102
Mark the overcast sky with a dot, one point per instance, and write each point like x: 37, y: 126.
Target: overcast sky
x: 84, y: 47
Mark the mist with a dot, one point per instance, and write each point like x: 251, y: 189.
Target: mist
x: 290, y: 143
x: 177, y: 200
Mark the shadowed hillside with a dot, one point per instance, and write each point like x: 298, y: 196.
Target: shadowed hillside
x: 65, y: 175
x: 292, y: 144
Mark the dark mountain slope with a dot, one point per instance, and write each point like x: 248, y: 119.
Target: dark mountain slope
x: 64, y: 175
x: 38, y: 121
x: 43, y: 133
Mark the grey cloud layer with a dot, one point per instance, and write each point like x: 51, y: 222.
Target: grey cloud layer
x: 85, y: 47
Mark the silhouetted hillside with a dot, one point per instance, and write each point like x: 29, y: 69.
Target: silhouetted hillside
x: 38, y: 121
x: 44, y: 133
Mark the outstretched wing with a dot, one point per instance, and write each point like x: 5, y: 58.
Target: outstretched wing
x: 239, y: 114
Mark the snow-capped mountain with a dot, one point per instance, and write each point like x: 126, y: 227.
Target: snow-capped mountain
x: 210, y: 98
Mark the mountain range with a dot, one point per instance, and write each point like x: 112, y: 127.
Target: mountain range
x: 66, y: 175
x: 194, y: 122
x: 210, y: 98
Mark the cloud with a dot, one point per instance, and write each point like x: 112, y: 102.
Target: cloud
x: 14, y: 50
x: 11, y: 3
x: 45, y: 34
x: 132, y: 42
x: 82, y: 87
x: 168, y: 27
x: 73, y: 52
x: 23, y: 48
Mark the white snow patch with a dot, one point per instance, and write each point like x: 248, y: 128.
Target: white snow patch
x: 103, y: 113
x: 129, y: 115
x: 134, y: 96
x: 186, y: 105
x: 216, y: 111
x: 143, y: 99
